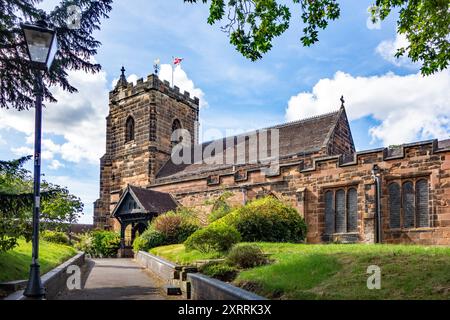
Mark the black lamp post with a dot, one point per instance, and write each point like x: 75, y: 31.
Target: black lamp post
x: 41, y: 47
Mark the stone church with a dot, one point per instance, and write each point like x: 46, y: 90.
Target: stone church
x: 399, y: 194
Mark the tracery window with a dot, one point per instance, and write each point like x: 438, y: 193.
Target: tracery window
x: 408, y: 204
x: 341, y: 210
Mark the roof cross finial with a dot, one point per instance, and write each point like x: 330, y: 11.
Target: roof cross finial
x: 123, y: 79
x: 342, y: 101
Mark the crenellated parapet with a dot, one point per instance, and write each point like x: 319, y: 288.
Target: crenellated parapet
x: 152, y: 82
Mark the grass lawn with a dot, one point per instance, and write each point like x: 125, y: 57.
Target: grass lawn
x: 15, y: 263
x: 334, y: 271
x: 177, y: 254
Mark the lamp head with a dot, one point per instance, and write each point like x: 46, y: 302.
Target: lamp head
x: 41, y: 43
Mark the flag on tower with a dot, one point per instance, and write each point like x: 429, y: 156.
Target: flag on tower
x: 177, y: 61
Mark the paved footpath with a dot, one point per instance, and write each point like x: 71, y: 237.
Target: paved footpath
x: 116, y: 279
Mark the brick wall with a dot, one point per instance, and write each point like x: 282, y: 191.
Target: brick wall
x: 303, y: 186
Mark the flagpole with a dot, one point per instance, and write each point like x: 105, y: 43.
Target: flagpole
x: 173, y: 60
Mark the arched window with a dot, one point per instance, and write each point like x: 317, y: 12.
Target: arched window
x: 408, y: 205
x: 176, y: 135
x: 394, y: 205
x: 329, y: 213
x: 129, y: 129
x: 422, y: 203
x: 352, y: 210
x: 341, y: 225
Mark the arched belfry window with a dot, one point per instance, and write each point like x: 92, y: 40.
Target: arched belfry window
x: 176, y: 135
x: 129, y: 129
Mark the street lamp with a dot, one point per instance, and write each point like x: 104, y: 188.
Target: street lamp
x: 41, y: 48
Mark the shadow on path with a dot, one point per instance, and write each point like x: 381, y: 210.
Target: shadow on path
x: 115, y: 279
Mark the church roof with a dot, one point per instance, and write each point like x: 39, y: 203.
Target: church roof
x: 154, y: 201
x: 297, y: 137
x: 151, y: 201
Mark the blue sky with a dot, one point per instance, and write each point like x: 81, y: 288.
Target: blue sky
x: 387, y: 100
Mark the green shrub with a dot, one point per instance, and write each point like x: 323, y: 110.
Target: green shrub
x: 219, y: 238
x: 85, y: 244
x: 149, y: 239
x: 219, y: 271
x: 55, y: 237
x: 176, y: 226
x: 246, y: 256
x: 220, y: 206
x: 99, y: 244
x: 267, y: 219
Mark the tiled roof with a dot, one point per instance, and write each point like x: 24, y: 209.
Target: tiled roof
x: 297, y: 137
x: 154, y: 201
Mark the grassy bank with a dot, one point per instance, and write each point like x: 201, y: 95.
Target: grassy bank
x: 332, y: 271
x: 14, y: 264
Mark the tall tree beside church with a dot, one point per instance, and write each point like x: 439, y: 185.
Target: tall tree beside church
x: 77, y: 46
x: 252, y: 25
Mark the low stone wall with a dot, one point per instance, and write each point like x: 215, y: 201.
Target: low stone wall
x: 164, y: 269
x: 206, y: 288
x: 193, y: 285
x: 55, y: 280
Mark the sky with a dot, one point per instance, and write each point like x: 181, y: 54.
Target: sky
x: 387, y: 100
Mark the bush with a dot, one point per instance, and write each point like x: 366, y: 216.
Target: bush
x: 85, y: 244
x: 150, y: 238
x: 55, y: 237
x: 220, y: 206
x: 106, y: 243
x: 176, y: 226
x: 246, y: 256
x: 267, y: 219
x: 99, y: 244
x: 219, y: 238
x: 219, y: 271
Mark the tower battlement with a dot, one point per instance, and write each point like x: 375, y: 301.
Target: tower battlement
x: 152, y: 82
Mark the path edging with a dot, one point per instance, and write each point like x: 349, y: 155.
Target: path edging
x: 55, y: 280
x: 193, y: 285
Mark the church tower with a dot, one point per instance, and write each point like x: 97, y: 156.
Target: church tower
x: 139, y: 127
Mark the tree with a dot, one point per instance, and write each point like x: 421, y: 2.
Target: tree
x: 74, y: 22
x: 16, y: 202
x: 253, y: 24
x: 61, y: 210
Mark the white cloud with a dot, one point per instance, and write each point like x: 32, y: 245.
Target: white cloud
x: 78, y: 117
x: 86, y: 190
x: 410, y: 107
x: 388, y: 48
x: 2, y: 141
x: 55, y: 165
x: 23, y: 151
x: 181, y: 80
